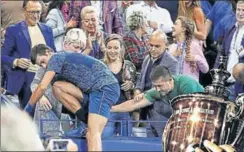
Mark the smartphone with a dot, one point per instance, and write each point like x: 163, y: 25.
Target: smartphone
x: 59, y: 144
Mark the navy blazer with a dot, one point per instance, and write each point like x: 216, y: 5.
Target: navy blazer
x: 167, y: 60
x: 17, y: 44
x: 227, y: 44
x: 239, y: 88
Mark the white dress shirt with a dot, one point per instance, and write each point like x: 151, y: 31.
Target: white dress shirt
x: 153, y: 13
x: 234, y: 50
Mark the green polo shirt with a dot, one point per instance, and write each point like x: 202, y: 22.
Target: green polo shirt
x: 183, y: 84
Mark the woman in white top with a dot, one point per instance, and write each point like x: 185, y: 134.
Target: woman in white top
x: 55, y: 19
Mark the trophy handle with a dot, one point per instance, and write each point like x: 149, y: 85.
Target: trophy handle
x: 236, y: 112
x: 240, y: 105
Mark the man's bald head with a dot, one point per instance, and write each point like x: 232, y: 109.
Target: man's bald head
x: 159, y: 35
x: 238, y: 72
x: 157, y: 43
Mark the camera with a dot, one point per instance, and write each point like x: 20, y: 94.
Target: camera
x: 59, y: 144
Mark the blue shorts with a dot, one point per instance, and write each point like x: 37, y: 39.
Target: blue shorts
x: 101, y: 101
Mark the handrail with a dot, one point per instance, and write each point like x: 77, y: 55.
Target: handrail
x: 128, y: 123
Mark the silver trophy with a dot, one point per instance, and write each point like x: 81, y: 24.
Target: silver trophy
x: 205, y: 116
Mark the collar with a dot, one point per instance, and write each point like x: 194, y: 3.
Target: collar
x: 134, y: 34
x: 158, y: 59
x: 143, y: 4
x: 238, y: 26
x: 25, y: 24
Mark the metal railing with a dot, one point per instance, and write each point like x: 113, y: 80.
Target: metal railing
x: 135, y: 131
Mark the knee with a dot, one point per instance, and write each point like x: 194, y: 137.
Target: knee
x: 57, y: 88
x: 91, y: 134
x: 94, y: 130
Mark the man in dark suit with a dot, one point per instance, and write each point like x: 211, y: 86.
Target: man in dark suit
x: 16, y: 50
x: 233, y: 47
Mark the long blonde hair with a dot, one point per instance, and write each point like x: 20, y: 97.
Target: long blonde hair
x: 189, y: 31
x: 122, y: 51
x: 183, y: 10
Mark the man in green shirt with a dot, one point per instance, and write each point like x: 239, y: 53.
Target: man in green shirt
x: 166, y: 87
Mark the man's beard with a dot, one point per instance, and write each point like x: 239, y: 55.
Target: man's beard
x: 163, y: 93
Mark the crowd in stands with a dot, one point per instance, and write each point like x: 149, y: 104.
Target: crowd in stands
x: 132, y: 39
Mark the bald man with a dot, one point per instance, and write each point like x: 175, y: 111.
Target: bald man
x: 238, y: 74
x: 158, y: 55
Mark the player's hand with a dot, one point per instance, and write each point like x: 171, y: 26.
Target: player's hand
x: 138, y: 97
x: 45, y: 103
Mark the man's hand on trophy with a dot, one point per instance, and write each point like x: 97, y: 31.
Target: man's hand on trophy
x: 214, y: 148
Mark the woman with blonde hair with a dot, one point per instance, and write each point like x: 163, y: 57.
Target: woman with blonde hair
x: 192, y: 10
x: 187, y: 50
x: 125, y: 73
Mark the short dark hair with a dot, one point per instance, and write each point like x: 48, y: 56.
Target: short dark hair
x: 25, y: 2
x: 39, y: 49
x: 160, y: 71
x: 55, y: 4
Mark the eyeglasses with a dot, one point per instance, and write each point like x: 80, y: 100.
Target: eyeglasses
x: 33, y: 12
